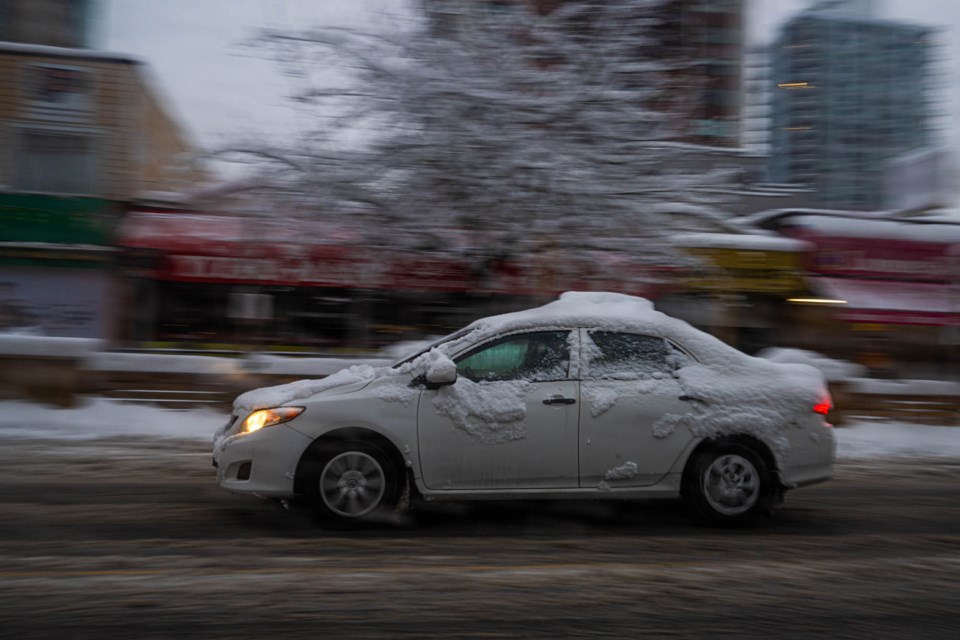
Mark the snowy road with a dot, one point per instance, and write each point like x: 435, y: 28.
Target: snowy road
x: 129, y: 538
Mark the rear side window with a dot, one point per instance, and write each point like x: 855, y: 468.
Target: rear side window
x: 628, y: 356
x: 538, y: 357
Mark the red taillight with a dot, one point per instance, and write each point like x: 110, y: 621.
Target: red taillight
x: 826, y: 403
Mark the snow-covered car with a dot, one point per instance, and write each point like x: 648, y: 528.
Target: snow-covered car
x: 592, y: 396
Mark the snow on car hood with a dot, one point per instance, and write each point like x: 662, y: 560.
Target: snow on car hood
x: 342, y: 381
x: 395, y: 385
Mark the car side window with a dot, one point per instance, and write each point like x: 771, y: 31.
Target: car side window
x: 538, y: 357
x: 627, y: 356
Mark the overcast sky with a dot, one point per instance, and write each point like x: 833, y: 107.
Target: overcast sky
x: 220, y: 89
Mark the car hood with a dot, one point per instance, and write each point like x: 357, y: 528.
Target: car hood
x: 345, y: 381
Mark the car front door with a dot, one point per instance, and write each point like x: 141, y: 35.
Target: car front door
x: 510, y: 420
x: 627, y: 387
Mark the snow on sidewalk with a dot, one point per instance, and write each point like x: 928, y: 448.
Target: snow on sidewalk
x: 865, y: 440
x: 100, y: 418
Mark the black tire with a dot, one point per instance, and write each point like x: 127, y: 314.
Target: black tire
x: 352, y: 483
x: 728, y: 485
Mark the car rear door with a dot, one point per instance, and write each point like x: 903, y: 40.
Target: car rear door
x: 627, y: 387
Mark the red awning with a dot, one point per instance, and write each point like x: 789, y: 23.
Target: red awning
x: 892, y: 302
x: 225, y: 249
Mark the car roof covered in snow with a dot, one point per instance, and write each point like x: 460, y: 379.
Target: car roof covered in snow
x: 606, y: 311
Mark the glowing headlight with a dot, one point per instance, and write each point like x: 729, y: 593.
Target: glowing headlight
x: 269, y: 417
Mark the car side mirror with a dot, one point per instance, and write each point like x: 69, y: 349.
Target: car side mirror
x: 441, y: 372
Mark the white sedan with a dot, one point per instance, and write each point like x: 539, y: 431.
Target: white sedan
x: 593, y: 396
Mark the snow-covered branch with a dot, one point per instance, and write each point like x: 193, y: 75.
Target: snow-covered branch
x: 508, y: 124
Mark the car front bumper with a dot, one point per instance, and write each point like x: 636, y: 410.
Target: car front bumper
x: 263, y: 463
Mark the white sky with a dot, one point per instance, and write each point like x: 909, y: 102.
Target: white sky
x: 221, y: 90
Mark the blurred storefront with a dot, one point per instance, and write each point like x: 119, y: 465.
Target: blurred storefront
x: 885, y: 292
x: 56, y: 263
x: 739, y: 294
x: 221, y: 280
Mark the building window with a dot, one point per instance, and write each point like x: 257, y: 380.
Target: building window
x: 58, y: 92
x: 50, y: 161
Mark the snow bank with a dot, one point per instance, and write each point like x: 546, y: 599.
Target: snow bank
x: 19, y: 344
x: 832, y: 370
x: 863, y: 440
x: 101, y: 418
x: 904, y: 387
x: 161, y: 363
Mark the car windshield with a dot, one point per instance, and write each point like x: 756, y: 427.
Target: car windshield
x: 448, y: 338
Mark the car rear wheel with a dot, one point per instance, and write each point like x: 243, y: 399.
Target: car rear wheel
x: 728, y: 485
x: 353, y: 482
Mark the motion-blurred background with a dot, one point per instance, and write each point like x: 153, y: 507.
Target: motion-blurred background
x: 293, y: 176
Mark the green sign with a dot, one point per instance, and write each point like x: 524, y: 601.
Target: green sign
x: 57, y: 220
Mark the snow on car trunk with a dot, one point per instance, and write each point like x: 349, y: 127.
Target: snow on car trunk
x: 750, y: 396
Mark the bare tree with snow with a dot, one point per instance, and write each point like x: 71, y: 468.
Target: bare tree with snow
x: 520, y: 128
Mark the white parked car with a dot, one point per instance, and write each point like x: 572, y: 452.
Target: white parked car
x: 594, y: 396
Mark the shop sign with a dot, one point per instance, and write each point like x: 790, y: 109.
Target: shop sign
x: 860, y: 261
x: 872, y: 248
x: 208, y: 248
x: 267, y: 270
x: 753, y: 271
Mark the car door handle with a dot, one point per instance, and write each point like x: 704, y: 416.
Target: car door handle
x: 558, y: 400
x: 686, y: 398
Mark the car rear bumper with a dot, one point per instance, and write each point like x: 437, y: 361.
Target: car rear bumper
x: 810, y: 458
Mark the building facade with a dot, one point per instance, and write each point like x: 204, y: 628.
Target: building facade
x: 82, y: 135
x: 849, y: 93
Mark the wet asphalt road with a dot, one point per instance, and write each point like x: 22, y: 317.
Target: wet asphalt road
x: 132, y: 539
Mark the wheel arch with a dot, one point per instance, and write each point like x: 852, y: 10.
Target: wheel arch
x: 346, y: 434
x: 755, y: 444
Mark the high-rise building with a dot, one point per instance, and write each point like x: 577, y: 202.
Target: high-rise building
x: 709, y: 36
x: 849, y: 93
x: 57, y: 23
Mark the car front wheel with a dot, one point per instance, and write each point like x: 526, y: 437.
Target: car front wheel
x: 728, y: 485
x: 353, y: 482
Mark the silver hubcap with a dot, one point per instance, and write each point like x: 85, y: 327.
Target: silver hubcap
x: 731, y: 485
x: 352, y: 484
